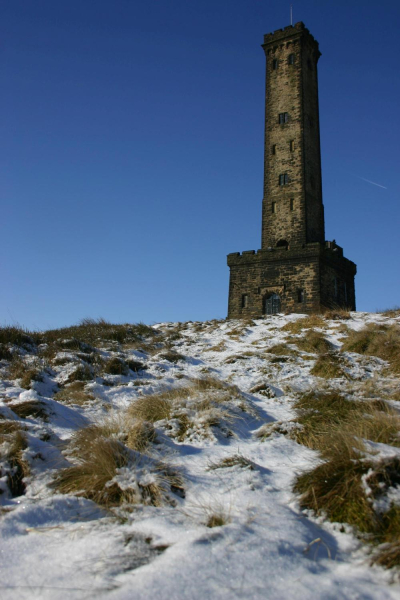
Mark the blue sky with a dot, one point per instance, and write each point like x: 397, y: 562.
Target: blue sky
x: 132, y: 151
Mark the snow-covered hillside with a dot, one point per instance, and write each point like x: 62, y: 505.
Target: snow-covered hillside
x: 202, y: 424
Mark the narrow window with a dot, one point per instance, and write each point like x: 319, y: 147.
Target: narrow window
x: 336, y: 287
x: 345, y: 292
x: 292, y: 145
x: 300, y: 296
x: 273, y: 149
x: 291, y: 59
x: 309, y: 65
x: 284, y: 179
x: 245, y: 300
x: 283, y: 118
x: 291, y: 203
x: 275, y: 64
x: 273, y: 207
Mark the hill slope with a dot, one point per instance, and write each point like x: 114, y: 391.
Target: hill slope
x: 194, y: 460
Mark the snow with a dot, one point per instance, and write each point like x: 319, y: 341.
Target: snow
x: 65, y: 547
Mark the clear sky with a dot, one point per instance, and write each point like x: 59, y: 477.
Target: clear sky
x: 132, y: 151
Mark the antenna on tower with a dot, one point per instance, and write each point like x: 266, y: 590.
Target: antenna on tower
x: 291, y: 14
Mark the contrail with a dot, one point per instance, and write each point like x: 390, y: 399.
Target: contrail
x: 373, y: 182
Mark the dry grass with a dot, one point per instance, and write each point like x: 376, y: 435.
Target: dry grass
x: 82, y: 373
x: 337, y: 428
x: 30, y: 409
x: 337, y: 314
x: 74, y: 393
x: 172, y: 356
x: 236, y: 460
x: 195, y: 407
x: 282, y: 350
x: 390, y: 312
x: 16, y: 336
x: 328, y: 366
x: 116, y: 366
x: 376, y: 340
x: 309, y: 322
x: 103, y: 459
x: 16, y: 468
x: 26, y: 373
x: 314, y: 342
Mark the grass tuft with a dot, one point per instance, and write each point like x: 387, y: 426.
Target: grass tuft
x: 328, y: 366
x: 376, y: 340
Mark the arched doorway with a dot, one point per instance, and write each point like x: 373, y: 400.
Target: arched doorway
x: 283, y: 244
x: 272, y: 304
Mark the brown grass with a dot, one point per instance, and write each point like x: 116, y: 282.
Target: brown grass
x: 116, y: 366
x: 236, y: 460
x: 337, y: 428
x: 309, y: 322
x: 314, y: 342
x: 376, y: 340
x: 30, y: 409
x: 16, y: 468
x: 198, y: 405
x: 100, y: 456
x: 74, y: 393
x: 328, y: 366
x: 282, y: 350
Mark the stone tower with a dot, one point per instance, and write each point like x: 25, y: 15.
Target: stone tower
x: 295, y: 270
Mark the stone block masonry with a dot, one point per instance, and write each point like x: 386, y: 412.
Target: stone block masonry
x: 295, y: 270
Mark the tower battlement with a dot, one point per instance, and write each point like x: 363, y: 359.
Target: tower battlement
x: 295, y: 269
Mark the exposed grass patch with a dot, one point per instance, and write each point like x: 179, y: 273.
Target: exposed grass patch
x: 218, y: 518
x: 172, y: 356
x: 81, y: 373
x: 25, y: 372
x: 236, y: 460
x: 110, y: 468
x: 30, y: 409
x: 116, y: 366
x: 74, y: 393
x: 344, y: 487
x: 337, y: 314
x: 376, y: 340
x: 281, y: 350
x: 309, y: 322
x: 390, y: 312
x: 328, y: 366
x: 16, y: 468
x: 217, y: 348
x: 314, y: 341
x: 189, y: 409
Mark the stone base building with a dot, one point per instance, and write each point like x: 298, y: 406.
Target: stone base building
x: 295, y: 270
